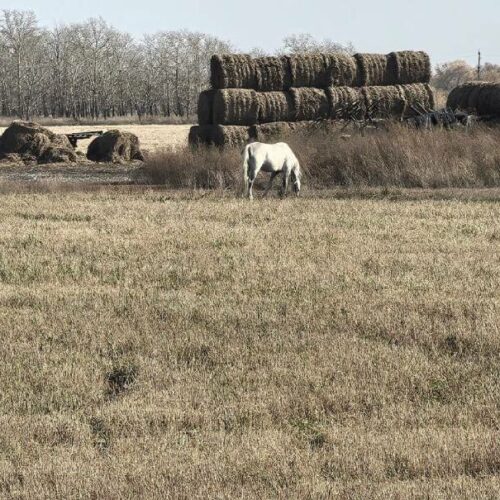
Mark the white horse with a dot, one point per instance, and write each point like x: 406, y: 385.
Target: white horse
x: 272, y: 158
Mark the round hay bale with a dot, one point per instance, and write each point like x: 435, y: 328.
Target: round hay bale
x: 273, y: 74
x: 235, y: 107
x: 481, y: 98
x: 419, y: 97
x: 341, y: 70
x: 346, y: 103
x: 115, y: 147
x: 270, y: 131
x: 309, y: 70
x: 407, y: 67
x: 489, y: 100
x: 206, y: 107
x: 32, y: 142
x: 372, y: 69
x: 477, y: 97
x: 275, y: 107
x: 233, y: 71
x: 310, y: 104
x: 218, y: 135
x: 385, y: 102
x: 458, y: 98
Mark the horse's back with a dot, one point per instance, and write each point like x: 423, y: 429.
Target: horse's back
x: 271, y: 151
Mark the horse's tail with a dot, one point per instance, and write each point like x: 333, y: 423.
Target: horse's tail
x: 296, y: 175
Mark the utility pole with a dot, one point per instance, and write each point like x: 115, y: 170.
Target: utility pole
x: 479, y: 65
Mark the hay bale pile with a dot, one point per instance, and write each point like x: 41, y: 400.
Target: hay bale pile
x: 32, y: 143
x: 310, y: 104
x: 218, y: 135
x: 276, y: 107
x: 346, y: 102
x: 249, y: 92
x: 408, y: 67
x: 480, y: 98
x: 235, y: 107
x: 233, y: 71
x: 385, y: 102
x: 272, y: 73
x: 115, y: 147
x: 372, y: 69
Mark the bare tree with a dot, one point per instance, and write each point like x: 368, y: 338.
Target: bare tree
x: 304, y: 43
x: 449, y: 75
x: 19, y: 37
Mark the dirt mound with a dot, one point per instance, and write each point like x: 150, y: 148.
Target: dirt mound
x: 31, y: 142
x: 115, y: 147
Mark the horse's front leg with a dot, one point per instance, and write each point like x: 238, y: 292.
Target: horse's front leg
x: 286, y: 182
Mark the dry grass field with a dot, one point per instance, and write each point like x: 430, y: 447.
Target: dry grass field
x: 175, y: 345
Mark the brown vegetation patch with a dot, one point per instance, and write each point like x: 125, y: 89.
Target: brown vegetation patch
x: 121, y: 379
x: 334, y: 153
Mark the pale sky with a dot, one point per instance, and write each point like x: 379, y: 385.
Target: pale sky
x: 447, y: 29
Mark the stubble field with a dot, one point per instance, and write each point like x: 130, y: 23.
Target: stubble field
x: 181, y: 345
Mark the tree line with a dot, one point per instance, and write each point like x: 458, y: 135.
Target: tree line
x: 92, y: 70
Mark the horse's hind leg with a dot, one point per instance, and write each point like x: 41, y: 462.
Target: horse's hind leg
x: 270, y: 185
x: 252, y: 174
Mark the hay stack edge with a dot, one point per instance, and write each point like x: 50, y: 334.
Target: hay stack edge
x: 267, y: 97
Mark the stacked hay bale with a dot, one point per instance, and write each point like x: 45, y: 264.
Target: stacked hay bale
x: 251, y: 92
x: 480, y: 98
